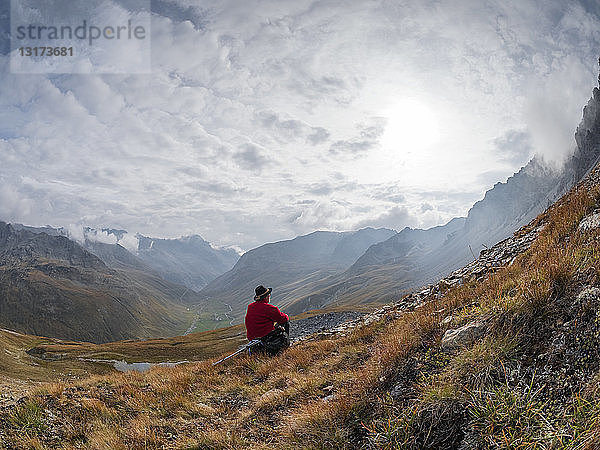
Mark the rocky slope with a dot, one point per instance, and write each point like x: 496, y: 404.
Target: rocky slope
x: 501, y: 255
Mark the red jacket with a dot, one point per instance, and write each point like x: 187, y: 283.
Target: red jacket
x: 261, y: 317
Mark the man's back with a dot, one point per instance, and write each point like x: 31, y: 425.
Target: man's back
x: 261, y: 317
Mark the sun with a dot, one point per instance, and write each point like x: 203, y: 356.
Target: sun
x: 411, y: 127
x: 409, y: 146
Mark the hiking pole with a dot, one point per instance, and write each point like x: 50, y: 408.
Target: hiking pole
x: 240, y: 350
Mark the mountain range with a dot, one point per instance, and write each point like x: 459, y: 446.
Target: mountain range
x: 290, y: 265
x: 97, y: 290
x: 52, y: 286
x: 189, y: 260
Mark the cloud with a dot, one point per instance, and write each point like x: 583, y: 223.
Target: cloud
x: 514, y: 147
x: 318, y: 136
x: 396, y: 218
x: 82, y: 234
x: 251, y: 157
x: 491, y: 177
x: 321, y: 189
x: 366, y: 140
x: 76, y: 232
x: 554, y: 108
x: 426, y: 207
x: 323, y: 215
x: 179, y: 12
x: 391, y: 194
x: 292, y: 129
x: 130, y: 242
x: 102, y: 236
x: 295, y: 92
x: 15, y: 206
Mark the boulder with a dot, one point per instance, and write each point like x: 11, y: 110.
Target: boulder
x: 463, y: 336
x: 590, y: 222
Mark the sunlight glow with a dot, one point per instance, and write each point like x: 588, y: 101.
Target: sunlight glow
x: 411, y: 127
x: 409, y: 147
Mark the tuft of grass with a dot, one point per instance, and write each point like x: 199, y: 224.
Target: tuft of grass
x: 29, y: 418
x: 509, y: 417
x: 430, y: 423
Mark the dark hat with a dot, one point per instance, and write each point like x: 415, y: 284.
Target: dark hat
x: 261, y: 291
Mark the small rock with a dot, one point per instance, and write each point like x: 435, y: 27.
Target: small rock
x: 447, y: 320
x: 463, y: 336
x: 270, y: 395
x: 590, y: 222
x: 205, y: 408
x: 588, y: 294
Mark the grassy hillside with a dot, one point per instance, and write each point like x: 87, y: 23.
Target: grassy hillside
x: 529, y: 379
x: 54, y: 298
x: 19, y: 371
x: 192, y: 347
x: 52, y: 286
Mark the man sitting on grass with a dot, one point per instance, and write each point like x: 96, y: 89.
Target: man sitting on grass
x: 261, y: 320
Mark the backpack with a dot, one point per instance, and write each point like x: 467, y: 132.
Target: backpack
x: 276, y: 341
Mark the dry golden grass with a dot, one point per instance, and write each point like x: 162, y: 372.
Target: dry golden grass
x: 192, y: 347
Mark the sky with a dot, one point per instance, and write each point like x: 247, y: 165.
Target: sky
x: 263, y: 120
